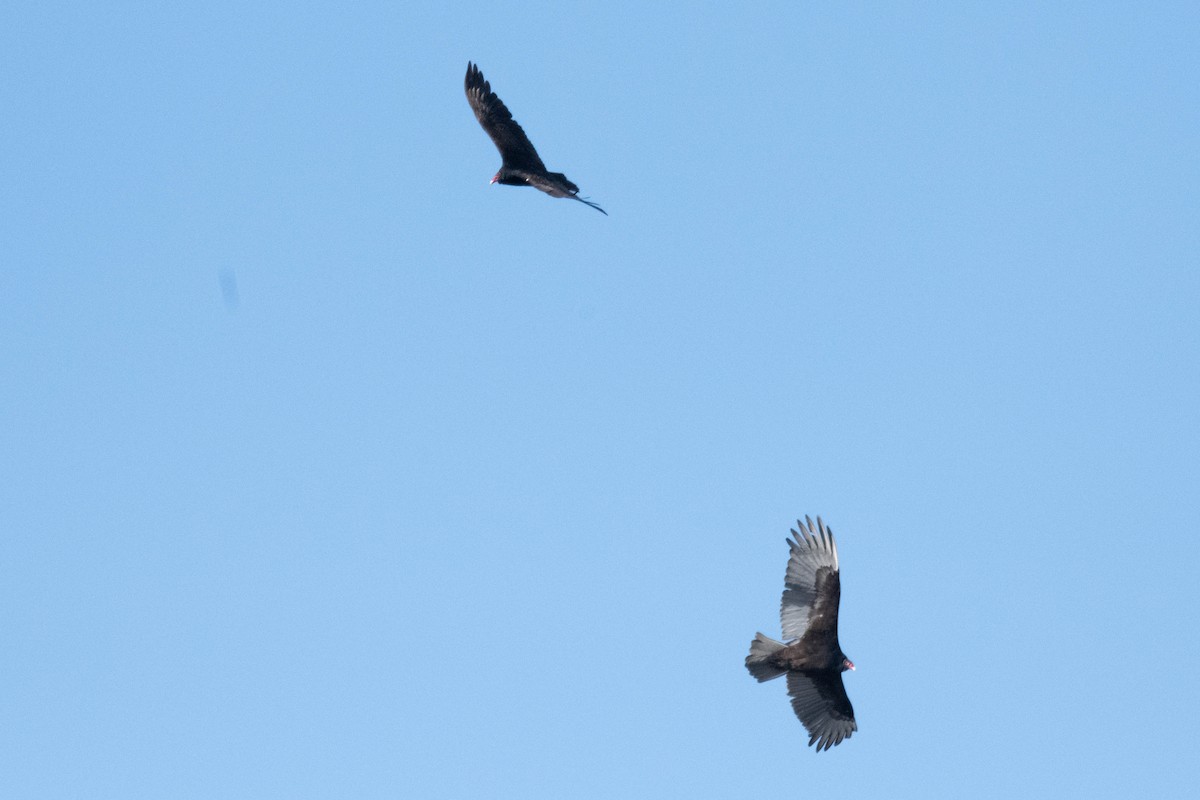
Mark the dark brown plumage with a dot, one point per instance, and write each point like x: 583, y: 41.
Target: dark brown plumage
x: 520, y: 164
x: 811, y: 657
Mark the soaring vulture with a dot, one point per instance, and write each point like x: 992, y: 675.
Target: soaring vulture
x: 811, y: 657
x: 520, y: 165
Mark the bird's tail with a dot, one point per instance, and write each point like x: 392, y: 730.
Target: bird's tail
x: 590, y: 203
x: 759, y: 661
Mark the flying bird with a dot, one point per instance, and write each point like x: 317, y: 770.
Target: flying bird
x: 520, y: 165
x: 811, y: 657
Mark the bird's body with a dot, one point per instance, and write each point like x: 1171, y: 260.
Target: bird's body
x: 520, y: 163
x: 811, y: 657
x: 809, y: 653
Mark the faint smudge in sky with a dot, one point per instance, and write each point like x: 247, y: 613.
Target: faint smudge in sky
x: 229, y: 289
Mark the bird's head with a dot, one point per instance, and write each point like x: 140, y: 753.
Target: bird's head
x: 495, y: 178
x: 847, y: 664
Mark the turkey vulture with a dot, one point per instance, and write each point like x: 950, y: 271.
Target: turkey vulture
x: 812, y: 659
x: 521, y: 165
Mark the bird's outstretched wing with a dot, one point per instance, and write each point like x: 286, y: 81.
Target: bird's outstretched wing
x: 819, y: 700
x: 813, y: 587
x: 515, y: 148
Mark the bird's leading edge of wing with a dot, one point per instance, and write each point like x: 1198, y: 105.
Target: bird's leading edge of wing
x: 497, y: 121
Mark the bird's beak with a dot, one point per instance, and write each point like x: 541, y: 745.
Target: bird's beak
x: 849, y: 665
x: 493, y: 180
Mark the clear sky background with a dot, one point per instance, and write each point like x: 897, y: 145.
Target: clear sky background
x: 330, y: 471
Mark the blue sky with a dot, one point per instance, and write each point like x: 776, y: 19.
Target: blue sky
x: 331, y: 471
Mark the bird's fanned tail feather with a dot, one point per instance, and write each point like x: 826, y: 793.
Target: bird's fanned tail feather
x: 759, y: 660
